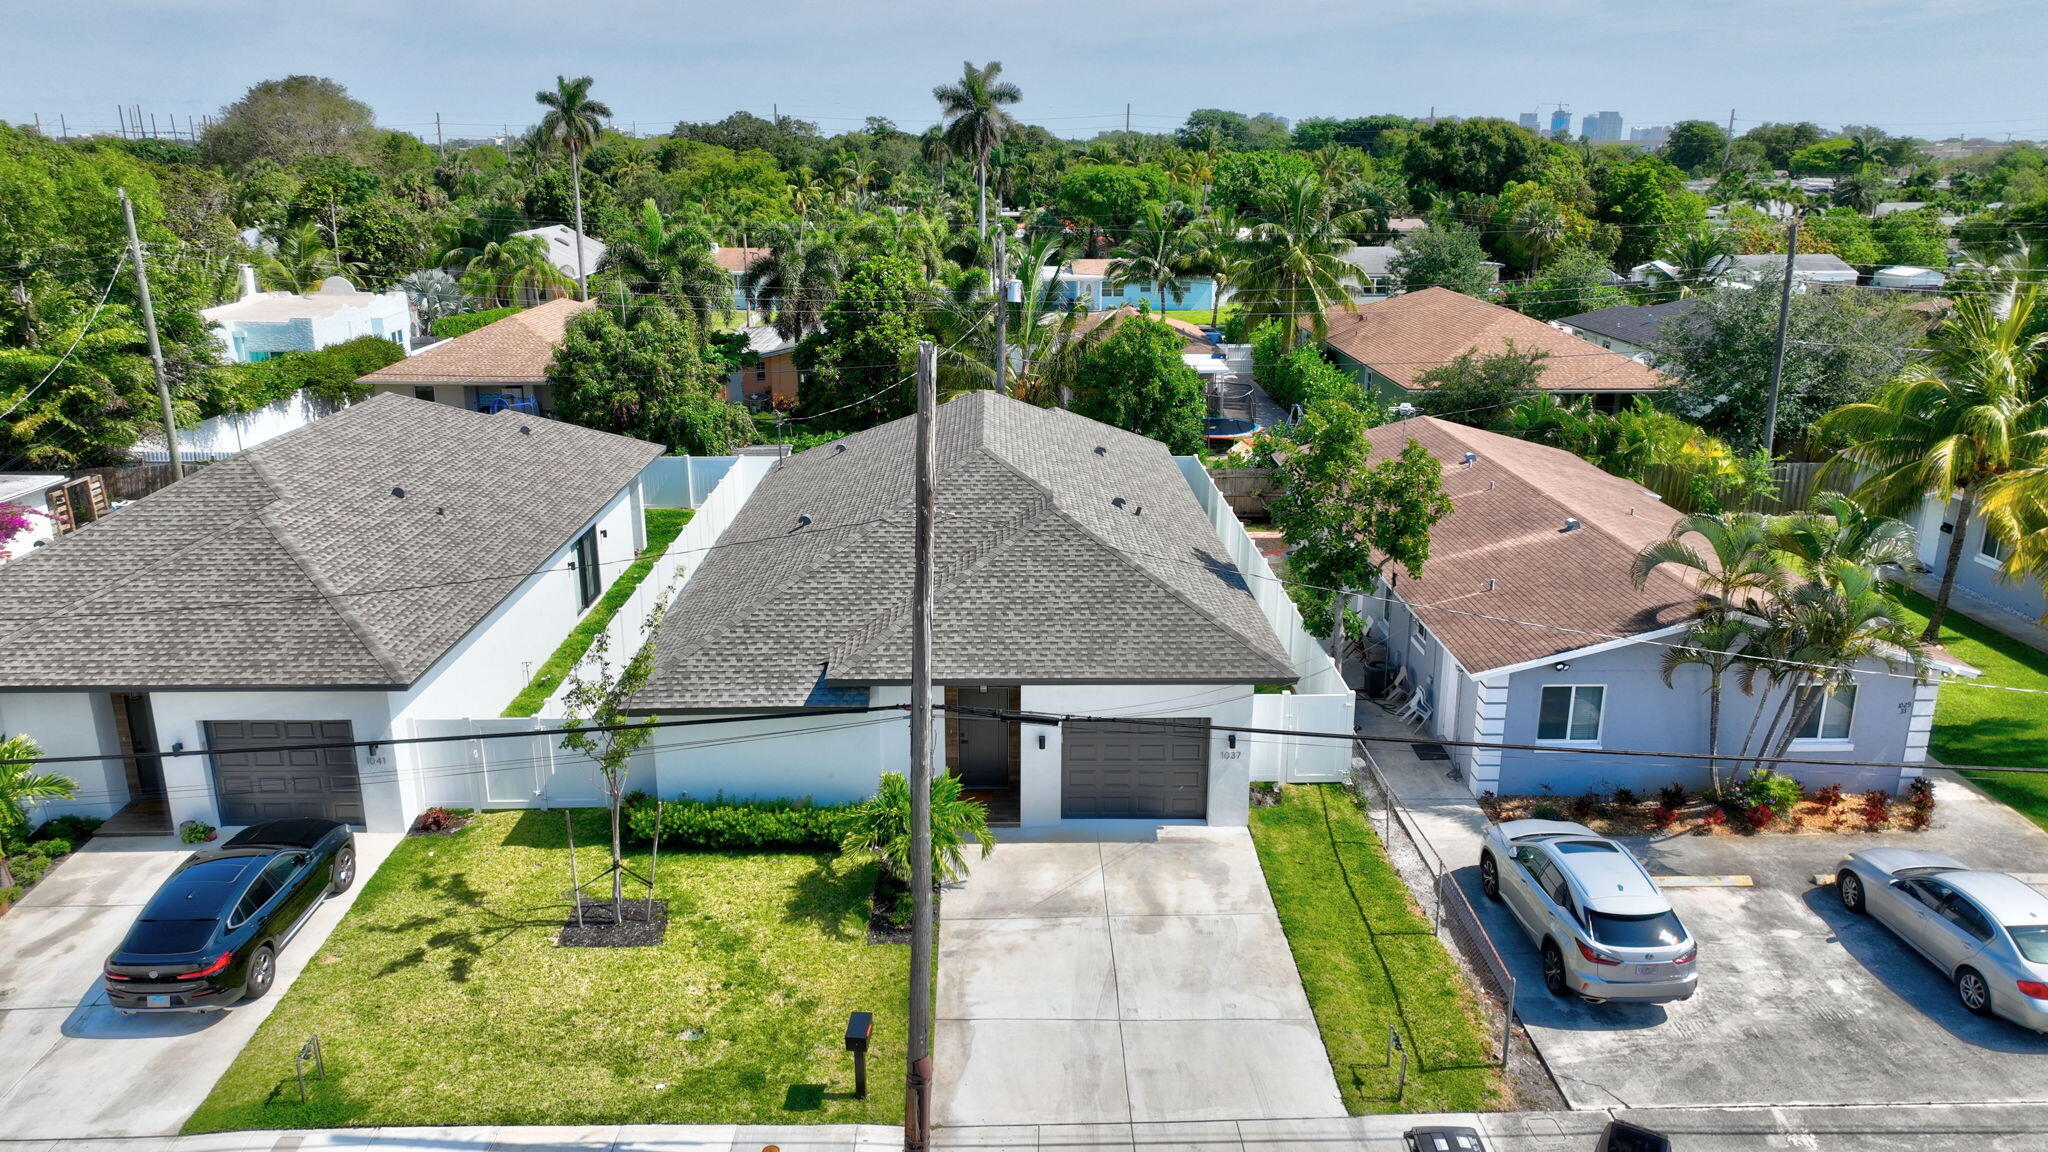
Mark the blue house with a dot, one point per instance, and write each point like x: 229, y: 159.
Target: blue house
x: 1088, y: 280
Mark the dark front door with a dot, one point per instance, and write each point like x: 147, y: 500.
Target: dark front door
x: 260, y: 785
x: 1144, y: 771
x: 983, y: 755
x: 146, y: 778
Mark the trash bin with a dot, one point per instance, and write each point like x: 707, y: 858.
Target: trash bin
x: 1376, y: 673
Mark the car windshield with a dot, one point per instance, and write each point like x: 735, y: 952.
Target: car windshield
x: 2031, y: 940
x: 1657, y: 930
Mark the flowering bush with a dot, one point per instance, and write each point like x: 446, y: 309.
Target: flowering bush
x: 1760, y: 816
x: 1665, y: 817
x: 1919, y: 803
x: 1877, y: 808
x: 1829, y: 796
x: 1713, y: 819
x: 15, y: 519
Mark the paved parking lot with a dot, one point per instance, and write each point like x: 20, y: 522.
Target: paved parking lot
x: 1128, y: 978
x: 73, y: 1066
x: 1800, y: 1002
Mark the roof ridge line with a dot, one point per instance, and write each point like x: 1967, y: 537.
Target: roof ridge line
x: 329, y: 594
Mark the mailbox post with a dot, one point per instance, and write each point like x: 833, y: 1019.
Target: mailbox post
x: 859, y: 1027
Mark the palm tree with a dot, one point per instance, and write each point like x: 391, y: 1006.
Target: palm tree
x: 464, y: 239
x: 856, y: 173
x: 1974, y: 412
x: 1697, y: 254
x: 795, y: 279
x: 1540, y: 224
x: 1737, y: 575
x: 972, y: 112
x: 573, y: 122
x: 1214, y: 252
x: 671, y: 261
x: 20, y: 786
x: 517, y: 270
x: 1291, y: 268
x: 1155, y: 254
x: 297, y: 261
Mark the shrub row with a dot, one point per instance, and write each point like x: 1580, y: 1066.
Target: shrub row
x: 722, y: 824
x: 1298, y: 376
x: 463, y: 323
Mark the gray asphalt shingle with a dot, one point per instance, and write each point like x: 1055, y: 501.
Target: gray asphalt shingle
x: 294, y: 565
x: 1041, y: 577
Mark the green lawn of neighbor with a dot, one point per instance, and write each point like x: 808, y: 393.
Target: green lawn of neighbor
x: 1200, y: 316
x: 1983, y: 725
x: 663, y: 526
x: 1369, y: 961
x: 442, y: 999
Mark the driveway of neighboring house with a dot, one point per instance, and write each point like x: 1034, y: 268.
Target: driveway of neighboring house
x: 1799, y: 1001
x: 1127, y: 973
x: 74, y: 1066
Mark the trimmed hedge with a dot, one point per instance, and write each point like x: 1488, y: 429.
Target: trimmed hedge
x: 1298, y: 376
x: 463, y: 323
x: 723, y: 825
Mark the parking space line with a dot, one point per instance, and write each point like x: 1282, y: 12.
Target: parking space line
x: 1733, y: 881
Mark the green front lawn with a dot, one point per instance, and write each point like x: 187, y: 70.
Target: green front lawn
x: 442, y: 999
x: 1370, y: 961
x: 1984, y: 725
x: 663, y: 526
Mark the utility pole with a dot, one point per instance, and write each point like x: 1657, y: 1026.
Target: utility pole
x: 1784, y: 315
x: 64, y: 126
x: 156, y: 350
x: 917, y: 1096
x: 1002, y: 287
x: 121, y: 115
x: 1728, y: 146
x: 440, y: 147
x: 1127, y: 124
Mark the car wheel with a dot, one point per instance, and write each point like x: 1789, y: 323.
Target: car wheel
x: 344, y: 871
x: 1973, y: 992
x: 1489, y: 877
x: 1849, y: 887
x: 262, y: 972
x: 1554, y: 978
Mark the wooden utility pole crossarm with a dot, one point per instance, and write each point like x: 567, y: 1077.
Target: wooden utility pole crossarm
x: 917, y: 1096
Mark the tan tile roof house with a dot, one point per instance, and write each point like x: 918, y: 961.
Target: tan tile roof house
x: 1195, y: 341
x: 737, y: 259
x: 504, y: 363
x: 1390, y: 343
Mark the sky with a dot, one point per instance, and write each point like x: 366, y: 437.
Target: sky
x: 1918, y: 67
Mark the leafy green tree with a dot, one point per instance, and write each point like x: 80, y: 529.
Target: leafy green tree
x: 1135, y: 379
x: 1780, y: 141
x: 1839, y: 345
x: 1844, y: 232
x: 1111, y: 198
x: 1477, y: 388
x: 1828, y: 157
x: 1970, y: 415
x: 1374, y: 134
x: 1576, y: 280
x: 20, y: 786
x: 1233, y: 131
x: 573, y: 123
x: 1471, y: 157
x: 650, y: 380
x: 1695, y: 146
x: 860, y: 365
x: 287, y: 120
x: 882, y: 825
x: 1246, y: 180
x: 1647, y: 201
x: 332, y: 373
x: 1443, y: 255
x: 601, y: 726
x: 975, y: 123
x: 1348, y: 517
x: 1917, y: 238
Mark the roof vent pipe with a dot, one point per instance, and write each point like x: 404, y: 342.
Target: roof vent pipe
x: 803, y: 520
x: 1471, y: 458
x: 1571, y: 524
x: 1116, y: 501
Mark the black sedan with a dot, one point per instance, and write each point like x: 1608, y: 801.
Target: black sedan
x: 210, y: 936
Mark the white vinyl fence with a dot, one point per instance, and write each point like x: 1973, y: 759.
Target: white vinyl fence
x: 1302, y: 759
x: 510, y: 772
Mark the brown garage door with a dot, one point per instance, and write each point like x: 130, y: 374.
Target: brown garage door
x: 1142, y: 771
x: 256, y: 785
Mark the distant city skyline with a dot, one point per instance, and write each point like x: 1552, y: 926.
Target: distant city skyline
x: 477, y: 64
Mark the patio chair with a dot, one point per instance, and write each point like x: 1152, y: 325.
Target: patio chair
x: 1399, y: 689
x: 1417, y: 711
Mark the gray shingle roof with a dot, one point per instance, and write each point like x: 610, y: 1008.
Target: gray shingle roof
x: 294, y: 565
x: 1041, y: 578
x: 1638, y: 324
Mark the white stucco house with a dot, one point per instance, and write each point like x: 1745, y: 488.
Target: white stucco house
x: 1082, y: 572
x: 262, y: 324
x: 397, y: 560
x: 561, y: 245
x: 1526, y: 628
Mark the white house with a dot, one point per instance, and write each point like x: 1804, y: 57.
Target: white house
x: 231, y: 433
x: 1809, y: 270
x: 399, y: 560
x: 1374, y: 278
x: 262, y: 324
x: 1082, y: 572
x: 1908, y: 276
x: 1526, y: 628
x: 561, y: 245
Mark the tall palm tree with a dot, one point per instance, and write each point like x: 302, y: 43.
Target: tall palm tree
x: 1697, y: 254
x: 1975, y: 411
x: 463, y: 239
x: 672, y: 261
x: 1156, y: 254
x: 795, y: 279
x: 1291, y: 269
x: 1737, y: 575
x: 1540, y: 224
x: 297, y: 260
x: 1214, y: 252
x: 972, y: 112
x: 20, y: 786
x: 855, y: 173
x: 573, y: 122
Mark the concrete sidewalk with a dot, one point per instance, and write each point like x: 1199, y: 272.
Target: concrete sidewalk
x: 1920, y: 1128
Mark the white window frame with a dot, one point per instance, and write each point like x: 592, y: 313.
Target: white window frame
x: 1830, y: 701
x: 1599, y: 727
x: 1990, y: 549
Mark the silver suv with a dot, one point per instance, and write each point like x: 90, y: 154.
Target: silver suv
x: 1604, y: 930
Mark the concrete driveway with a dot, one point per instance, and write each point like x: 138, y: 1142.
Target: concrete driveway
x: 74, y: 1067
x: 1118, y: 978
x: 1799, y: 1002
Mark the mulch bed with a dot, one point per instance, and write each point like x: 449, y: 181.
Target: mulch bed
x: 1813, y: 815
x: 645, y: 924
x: 889, y: 893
